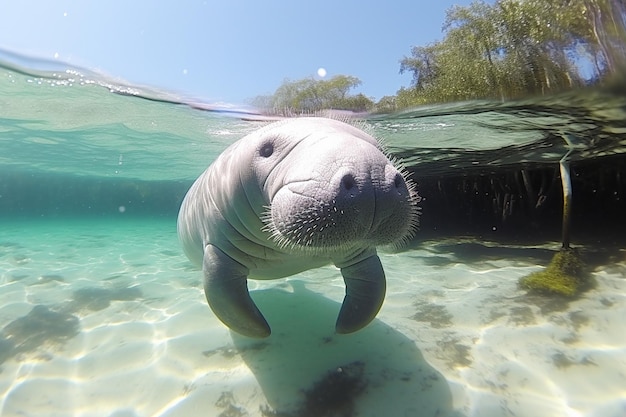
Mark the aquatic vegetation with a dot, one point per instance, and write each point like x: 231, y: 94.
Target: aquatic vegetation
x: 564, y: 275
x: 437, y: 315
x: 40, y: 326
x: 522, y: 316
x: 95, y: 299
x: 332, y: 396
x: 454, y: 353
x: 227, y: 402
x: 562, y: 361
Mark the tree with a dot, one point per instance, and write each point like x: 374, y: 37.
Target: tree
x: 309, y: 95
x: 513, y: 48
x: 604, y: 34
x: 387, y: 104
x: 423, y: 64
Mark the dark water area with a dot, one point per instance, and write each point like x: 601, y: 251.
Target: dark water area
x: 515, y: 191
x: 526, y: 203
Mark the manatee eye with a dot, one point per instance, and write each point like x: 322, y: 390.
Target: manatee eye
x: 267, y: 150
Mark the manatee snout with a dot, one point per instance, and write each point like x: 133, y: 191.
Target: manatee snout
x: 362, y: 202
x: 378, y: 197
x: 386, y: 185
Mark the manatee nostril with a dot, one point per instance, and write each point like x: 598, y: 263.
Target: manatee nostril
x: 348, y: 182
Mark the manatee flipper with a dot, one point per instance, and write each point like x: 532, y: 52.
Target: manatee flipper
x: 226, y: 290
x: 365, y: 292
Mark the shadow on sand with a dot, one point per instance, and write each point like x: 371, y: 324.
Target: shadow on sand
x: 305, y: 369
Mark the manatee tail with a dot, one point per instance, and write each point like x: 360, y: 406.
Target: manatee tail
x: 365, y: 293
x: 226, y: 290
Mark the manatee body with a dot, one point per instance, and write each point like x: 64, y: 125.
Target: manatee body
x: 295, y: 195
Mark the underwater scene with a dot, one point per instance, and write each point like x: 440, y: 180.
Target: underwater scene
x: 498, y: 306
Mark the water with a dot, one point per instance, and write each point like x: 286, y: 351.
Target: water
x: 101, y: 314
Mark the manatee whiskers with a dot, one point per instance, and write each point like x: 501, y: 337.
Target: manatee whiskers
x: 312, y: 230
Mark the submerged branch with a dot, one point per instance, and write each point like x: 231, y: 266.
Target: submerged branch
x: 566, y: 182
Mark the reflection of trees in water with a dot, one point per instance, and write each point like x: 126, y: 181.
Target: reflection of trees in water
x: 578, y: 136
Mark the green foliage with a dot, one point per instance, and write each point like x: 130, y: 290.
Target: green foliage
x: 309, y: 95
x: 514, y: 48
x: 563, y: 276
x: 508, y: 49
x: 387, y: 104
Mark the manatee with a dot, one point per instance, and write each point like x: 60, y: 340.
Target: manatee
x: 294, y: 195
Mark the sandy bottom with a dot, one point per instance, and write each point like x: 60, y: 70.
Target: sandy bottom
x: 109, y: 319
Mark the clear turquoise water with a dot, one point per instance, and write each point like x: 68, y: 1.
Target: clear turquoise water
x: 102, y: 315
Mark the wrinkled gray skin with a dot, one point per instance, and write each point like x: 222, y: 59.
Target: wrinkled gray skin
x: 295, y: 195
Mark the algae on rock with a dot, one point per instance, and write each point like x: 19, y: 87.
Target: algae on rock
x: 564, y: 275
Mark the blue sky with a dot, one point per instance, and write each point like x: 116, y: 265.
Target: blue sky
x: 226, y: 51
